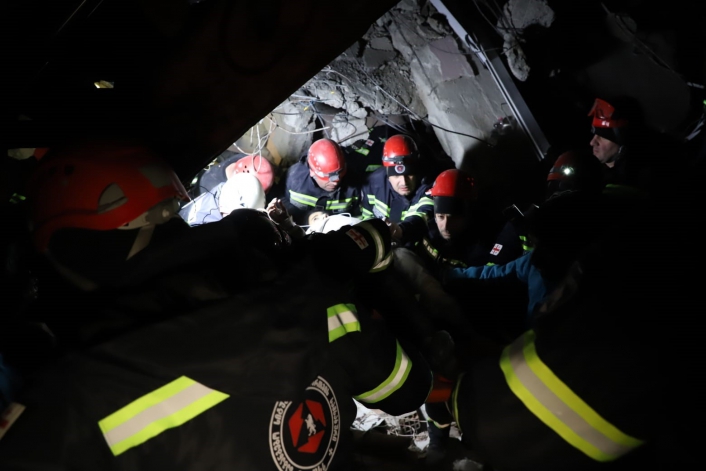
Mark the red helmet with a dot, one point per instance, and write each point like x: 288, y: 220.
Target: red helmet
x: 454, y: 184
x: 451, y: 190
x: 97, y: 187
x: 575, y: 170
x: 326, y: 160
x: 564, y: 167
x: 397, y: 149
x: 258, y: 166
x: 602, y: 113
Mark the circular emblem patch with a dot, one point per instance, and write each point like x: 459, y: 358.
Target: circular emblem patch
x: 399, y: 168
x: 304, y: 435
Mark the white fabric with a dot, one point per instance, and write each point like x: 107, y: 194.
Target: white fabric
x: 333, y: 223
x: 242, y: 190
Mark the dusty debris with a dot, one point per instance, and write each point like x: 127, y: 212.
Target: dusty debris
x: 517, y: 16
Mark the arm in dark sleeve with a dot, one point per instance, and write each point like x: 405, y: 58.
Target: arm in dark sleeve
x: 384, y: 373
x: 414, y: 224
x: 363, y: 248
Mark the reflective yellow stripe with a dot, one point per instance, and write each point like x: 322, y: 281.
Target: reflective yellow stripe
x: 372, y: 168
x: 558, y: 407
x: 167, y: 407
x: 454, y: 401
x: 416, y: 209
x: 367, y: 214
x: 302, y: 198
x: 382, y: 207
x: 400, y: 372
x: 342, y: 319
x: 334, y: 205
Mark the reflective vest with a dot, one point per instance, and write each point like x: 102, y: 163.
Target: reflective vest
x: 380, y: 200
x: 303, y: 194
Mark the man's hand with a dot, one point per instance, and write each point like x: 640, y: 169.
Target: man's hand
x: 395, y: 229
x: 277, y: 212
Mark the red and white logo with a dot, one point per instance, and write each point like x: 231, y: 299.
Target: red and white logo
x: 496, y: 249
x: 305, y: 435
x: 399, y: 168
x: 357, y: 238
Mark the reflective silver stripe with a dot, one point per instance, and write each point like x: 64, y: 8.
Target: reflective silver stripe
x: 379, y: 245
x: 552, y: 402
x: 383, y: 264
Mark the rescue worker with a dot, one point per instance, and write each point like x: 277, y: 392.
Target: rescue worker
x: 396, y: 193
x: 230, y: 163
x: 321, y: 181
x: 621, y: 143
x: 582, y: 390
x: 462, y: 234
x: 572, y: 171
x: 241, y: 190
x: 183, y: 356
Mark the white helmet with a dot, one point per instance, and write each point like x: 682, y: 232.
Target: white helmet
x: 242, y: 190
x: 333, y: 223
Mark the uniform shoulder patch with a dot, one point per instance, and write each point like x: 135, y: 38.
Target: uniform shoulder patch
x: 357, y: 238
x: 496, y: 249
x: 9, y: 416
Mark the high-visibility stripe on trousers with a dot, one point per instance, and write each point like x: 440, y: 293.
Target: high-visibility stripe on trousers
x: 558, y: 407
x: 167, y: 407
x: 398, y: 376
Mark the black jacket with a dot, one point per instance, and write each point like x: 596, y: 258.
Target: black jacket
x: 253, y: 356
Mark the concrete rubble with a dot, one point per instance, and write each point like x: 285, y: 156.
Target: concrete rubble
x: 408, y: 65
x: 518, y: 15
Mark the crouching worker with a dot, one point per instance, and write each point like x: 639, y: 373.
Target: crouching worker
x: 184, y: 356
x: 581, y: 389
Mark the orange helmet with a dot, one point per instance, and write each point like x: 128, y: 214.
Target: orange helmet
x: 98, y: 187
x: 326, y: 160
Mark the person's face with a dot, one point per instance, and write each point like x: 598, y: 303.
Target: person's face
x: 316, y: 217
x: 604, y: 149
x: 404, y: 184
x: 450, y: 225
x: 326, y: 185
